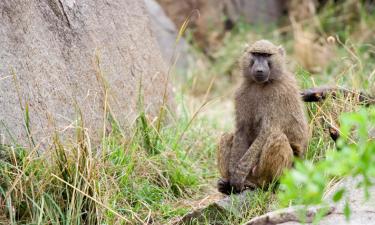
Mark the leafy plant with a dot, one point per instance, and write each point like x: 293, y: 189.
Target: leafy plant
x: 307, y: 183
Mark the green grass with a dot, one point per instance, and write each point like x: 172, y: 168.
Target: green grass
x: 146, y: 176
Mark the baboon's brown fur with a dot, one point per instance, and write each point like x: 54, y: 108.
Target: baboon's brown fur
x: 271, y: 126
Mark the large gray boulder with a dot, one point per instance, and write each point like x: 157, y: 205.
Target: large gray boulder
x: 259, y: 11
x: 60, y: 58
x: 174, y: 49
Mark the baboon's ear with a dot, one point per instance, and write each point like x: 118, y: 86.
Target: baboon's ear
x: 281, y: 50
x: 245, y: 47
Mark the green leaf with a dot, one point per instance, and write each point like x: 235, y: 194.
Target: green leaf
x: 338, y: 195
x: 347, y: 210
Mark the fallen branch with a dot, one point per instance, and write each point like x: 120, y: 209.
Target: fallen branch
x: 319, y: 94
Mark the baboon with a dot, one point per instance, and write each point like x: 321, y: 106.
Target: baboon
x: 270, y: 123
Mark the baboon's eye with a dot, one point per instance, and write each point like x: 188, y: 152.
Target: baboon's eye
x: 251, y: 62
x: 269, y: 64
x: 261, y: 54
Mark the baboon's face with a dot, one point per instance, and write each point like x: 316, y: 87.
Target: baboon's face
x: 259, y: 67
x: 263, y: 62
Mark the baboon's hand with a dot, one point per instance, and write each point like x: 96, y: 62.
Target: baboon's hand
x: 237, y: 183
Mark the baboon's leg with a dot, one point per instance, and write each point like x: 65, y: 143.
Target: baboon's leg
x: 223, y: 154
x: 276, y: 156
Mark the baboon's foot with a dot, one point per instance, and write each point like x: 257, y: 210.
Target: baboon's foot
x: 224, y: 186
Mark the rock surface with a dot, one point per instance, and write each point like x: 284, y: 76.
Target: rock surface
x: 265, y: 11
x: 175, y: 54
x: 233, y: 205
x: 49, y: 51
x: 293, y: 213
x: 362, y: 210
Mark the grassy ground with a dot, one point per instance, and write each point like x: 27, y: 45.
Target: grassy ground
x: 158, y: 173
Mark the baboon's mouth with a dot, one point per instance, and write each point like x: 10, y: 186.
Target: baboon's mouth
x: 261, y: 78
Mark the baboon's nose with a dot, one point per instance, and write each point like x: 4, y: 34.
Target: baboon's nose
x: 260, y: 73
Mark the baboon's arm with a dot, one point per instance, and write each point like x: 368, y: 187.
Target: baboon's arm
x: 240, y: 144
x: 298, y: 150
x: 248, y: 160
